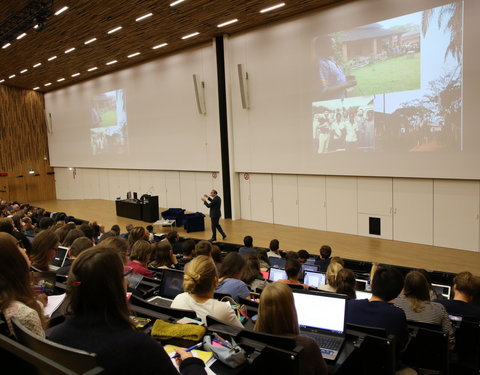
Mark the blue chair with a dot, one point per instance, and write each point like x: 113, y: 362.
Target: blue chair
x: 194, y: 222
x: 174, y: 214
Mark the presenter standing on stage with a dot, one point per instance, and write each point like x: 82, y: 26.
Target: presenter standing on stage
x: 214, y: 202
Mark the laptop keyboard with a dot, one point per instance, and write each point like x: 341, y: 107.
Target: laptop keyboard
x: 328, y: 345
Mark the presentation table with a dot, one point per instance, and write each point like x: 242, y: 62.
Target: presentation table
x: 146, y: 210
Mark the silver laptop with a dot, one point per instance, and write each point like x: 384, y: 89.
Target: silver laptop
x: 321, y: 316
x: 275, y: 274
x: 444, y: 290
x: 314, y: 279
x: 61, y: 256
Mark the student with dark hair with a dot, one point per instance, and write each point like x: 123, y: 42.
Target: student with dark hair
x: 116, y: 229
x: 292, y: 269
x: 230, y: 277
x: 45, y: 223
x: 464, y: 288
x: 139, y: 258
x: 7, y: 226
x: 149, y: 228
x: 87, y: 231
x: 71, y: 236
x: 106, y: 235
x: 263, y: 259
x: 217, y: 256
x: 274, y: 249
x: 78, y: 245
x: 17, y: 298
x: 378, y: 311
x: 199, y: 283
x: 251, y: 274
x: 189, y: 252
x: 303, y: 255
x: 346, y: 283
x: 247, y: 249
x: 324, y: 260
x: 99, y: 320
x: 44, y: 247
x: 204, y: 248
x: 277, y: 315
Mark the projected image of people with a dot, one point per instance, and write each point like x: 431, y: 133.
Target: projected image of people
x: 109, y: 123
x: 412, y: 68
x: 343, y: 125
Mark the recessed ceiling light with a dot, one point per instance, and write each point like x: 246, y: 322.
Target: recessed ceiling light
x: 23, y: 71
x: 36, y: 88
x: 227, y: 23
x: 159, y: 46
x: 61, y: 10
x: 22, y: 35
x: 52, y: 58
x: 115, y: 30
x: 37, y: 65
x: 272, y: 8
x: 48, y: 84
x: 6, y: 45
x: 70, y: 50
x: 12, y: 76
x: 111, y: 62
x: 144, y: 16
x: 2, y: 80
x: 75, y: 74
x: 60, y: 79
x: 36, y: 26
x: 176, y: 2
x: 92, y: 69
x: 90, y: 41
x: 190, y: 35
x: 134, y: 54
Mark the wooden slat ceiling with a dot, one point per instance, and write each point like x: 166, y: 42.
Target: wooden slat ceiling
x: 86, y: 19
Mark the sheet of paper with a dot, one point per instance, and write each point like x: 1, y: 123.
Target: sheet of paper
x: 53, y: 304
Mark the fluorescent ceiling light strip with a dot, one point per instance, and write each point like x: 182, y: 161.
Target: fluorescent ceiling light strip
x: 134, y: 54
x: 115, y: 30
x: 48, y: 84
x: 272, y: 8
x: 2, y: 80
x: 37, y: 65
x: 176, y: 2
x: 12, y: 76
x: 61, y: 10
x: 144, y: 16
x: 22, y: 35
x: 228, y: 23
x: 90, y: 41
x: 92, y: 69
x: 70, y: 50
x: 190, y: 35
x: 6, y: 45
x: 52, y: 58
x: 36, y: 88
x: 60, y: 79
x: 75, y: 74
x: 159, y: 46
x: 24, y: 71
x: 111, y: 62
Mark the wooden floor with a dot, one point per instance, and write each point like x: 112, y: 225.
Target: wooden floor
x: 294, y: 238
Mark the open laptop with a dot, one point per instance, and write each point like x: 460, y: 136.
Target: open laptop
x: 361, y: 294
x: 170, y: 287
x: 309, y: 267
x: 277, y: 262
x: 361, y: 284
x: 321, y: 316
x: 312, y: 278
x: 275, y: 274
x: 61, y: 256
x: 444, y: 290
x: 311, y: 260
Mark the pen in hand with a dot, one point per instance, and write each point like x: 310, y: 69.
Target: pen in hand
x: 196, y: 346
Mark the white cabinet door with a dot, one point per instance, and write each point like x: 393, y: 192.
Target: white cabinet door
x: 413, y: 210
x: 456, y: 208
x: 188, y: 191
x: 312, y: 205
x: 172, y: 187
x: 285, y: 199
x: 342, y: 204
x: 244, y: 184
x: 375, y: 204
x: 261, y: 200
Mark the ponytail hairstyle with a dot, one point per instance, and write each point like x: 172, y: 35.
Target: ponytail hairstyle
x: 200, y: 276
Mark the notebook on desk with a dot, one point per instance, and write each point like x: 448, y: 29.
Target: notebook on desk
x: 321, y: 316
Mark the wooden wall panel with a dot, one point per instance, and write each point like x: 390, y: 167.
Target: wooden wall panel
x: 24, y: 145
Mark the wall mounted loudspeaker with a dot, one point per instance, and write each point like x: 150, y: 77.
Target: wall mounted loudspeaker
x: 243, y: 81
x: 199, y: 94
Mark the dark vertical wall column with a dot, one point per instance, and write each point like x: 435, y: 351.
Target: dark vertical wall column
x: 222, y: 108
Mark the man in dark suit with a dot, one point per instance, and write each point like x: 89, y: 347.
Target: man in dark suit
x: 214, y: 202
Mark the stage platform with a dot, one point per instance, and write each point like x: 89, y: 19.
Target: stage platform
x: 294, y: 238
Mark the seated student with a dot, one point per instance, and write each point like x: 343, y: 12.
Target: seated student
x: 116, y: 229
x: 204, y: 248
x: 274, y: 249
x: 199, y: 283
x: 163, y: 254
x: 263, y: 259
x: 28, y: 226
x: 248, y: 248
x: 217, y: 256
x: 71, y: 236
x: 174, y: 239
x: 230, y: 277
x: 331, y: 277
x: 189, y: 252
x: 324, y: 260
x: 7, y: 226
x: 151, y: 236
x: 464, y: 288
x: 17, y: 298
x: 277, y: 315
x: 303, y: 255
x: 99, y: 321
x: 44, y: 248
x: 292, y: 269
x: 129, y: 228
x: 251, y: 274
x: 119, y: 244
x: 379, y: 311
x: 139, y: 257
x: 80, y: 244
x: 346, y: 283
x: 415, y: 302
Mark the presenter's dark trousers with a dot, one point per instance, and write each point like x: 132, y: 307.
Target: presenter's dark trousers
x: 215, y: 226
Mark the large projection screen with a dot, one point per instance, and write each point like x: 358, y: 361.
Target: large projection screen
x: 369, y: 88
x: 144, y: 117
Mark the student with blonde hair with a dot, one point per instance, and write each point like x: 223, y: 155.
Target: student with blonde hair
x: 331, y: 277
x: 199, y: 282
x: 277, y: 315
